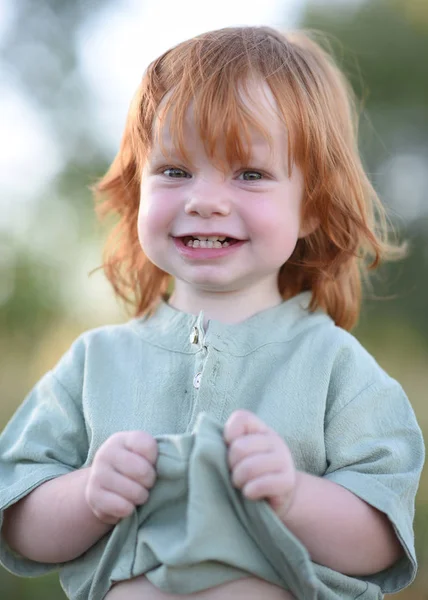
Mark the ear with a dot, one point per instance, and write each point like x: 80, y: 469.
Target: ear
x: 308, y: 227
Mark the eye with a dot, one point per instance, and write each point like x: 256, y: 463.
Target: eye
x: 175, y: 173
x: 250, y: 175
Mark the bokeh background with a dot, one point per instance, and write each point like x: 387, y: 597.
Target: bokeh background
x: 67, y: 73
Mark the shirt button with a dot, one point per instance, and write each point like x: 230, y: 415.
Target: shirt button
x: 197, y: 380
x: 194, y: 336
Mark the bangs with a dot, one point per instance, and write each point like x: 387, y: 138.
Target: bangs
x: 210, y: 80
x: 224, y: 115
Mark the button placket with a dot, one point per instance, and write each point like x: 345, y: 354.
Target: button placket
x: 201, y: 370
x: 196, y: 339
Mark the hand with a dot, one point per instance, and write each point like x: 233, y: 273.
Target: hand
x: 260, y: 461
x: 121, y: 475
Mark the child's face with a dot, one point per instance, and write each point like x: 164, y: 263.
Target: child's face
x: 258, y: 205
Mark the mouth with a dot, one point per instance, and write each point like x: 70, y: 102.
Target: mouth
x: 202, y: 247
x: 212, y: 241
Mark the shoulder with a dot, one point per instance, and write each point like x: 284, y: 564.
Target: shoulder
x: 330, y: 347
x: 352, y: 361
x: 327, y: 350
x: 335, y: 348
x: 107, y: 336
x: 337, y: 359
x: 357, y: 378
x: 348, y: 354
x: 94, y: 351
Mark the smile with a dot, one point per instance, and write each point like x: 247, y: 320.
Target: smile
x: 207, y: 242
x: 206, y: 247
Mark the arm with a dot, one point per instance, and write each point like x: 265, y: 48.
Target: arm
x: 64, y: 517
x: 54, y: 523
x: 340, y: 530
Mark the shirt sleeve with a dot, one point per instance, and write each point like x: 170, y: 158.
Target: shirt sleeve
x: 45, y: 438
x: 375, y: 449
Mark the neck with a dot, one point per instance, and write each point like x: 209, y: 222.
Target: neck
x: 226, y: 307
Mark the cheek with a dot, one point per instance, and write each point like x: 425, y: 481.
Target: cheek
x: 153, y: 217
x: 276, y: 228
x: 276, y: 221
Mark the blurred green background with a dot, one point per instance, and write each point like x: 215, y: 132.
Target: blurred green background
x: 49, y: 239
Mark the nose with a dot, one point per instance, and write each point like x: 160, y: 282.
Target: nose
x: 208, y: 200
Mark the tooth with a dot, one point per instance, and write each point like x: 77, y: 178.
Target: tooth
x: 217, y: 244
x: 196, y: 243
x: 203, y: 239
x: 190, y: 244
x: 221, y: 239
x: 225, y: 244
x: 209, y: 244
x: 212, y: 238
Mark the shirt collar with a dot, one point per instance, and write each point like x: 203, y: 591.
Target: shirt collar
x: 184, y: 332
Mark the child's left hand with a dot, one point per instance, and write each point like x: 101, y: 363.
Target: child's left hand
x: 260, y: 461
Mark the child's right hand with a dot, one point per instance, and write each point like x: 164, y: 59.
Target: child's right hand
x: 121, y: 475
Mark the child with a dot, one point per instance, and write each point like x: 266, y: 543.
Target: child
x: 233, y: 440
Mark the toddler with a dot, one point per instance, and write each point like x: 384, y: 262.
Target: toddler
x: 233, y: 439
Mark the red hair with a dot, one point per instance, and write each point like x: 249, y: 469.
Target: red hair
x: 317, y: 105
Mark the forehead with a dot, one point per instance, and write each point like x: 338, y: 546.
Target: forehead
x: 249, y: 124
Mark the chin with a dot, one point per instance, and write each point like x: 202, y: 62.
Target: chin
x: 210, y: 284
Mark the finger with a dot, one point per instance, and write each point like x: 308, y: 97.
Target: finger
x: 142, y: 443
x: 135, y: 467
x: 109, y: 507
x: 271, y: 485
x: 253, y: 443
x: 124, y: 487
x: 256, y: 466
x: 242, y: 422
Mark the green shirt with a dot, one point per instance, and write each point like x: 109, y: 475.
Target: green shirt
x: 341, y: 415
